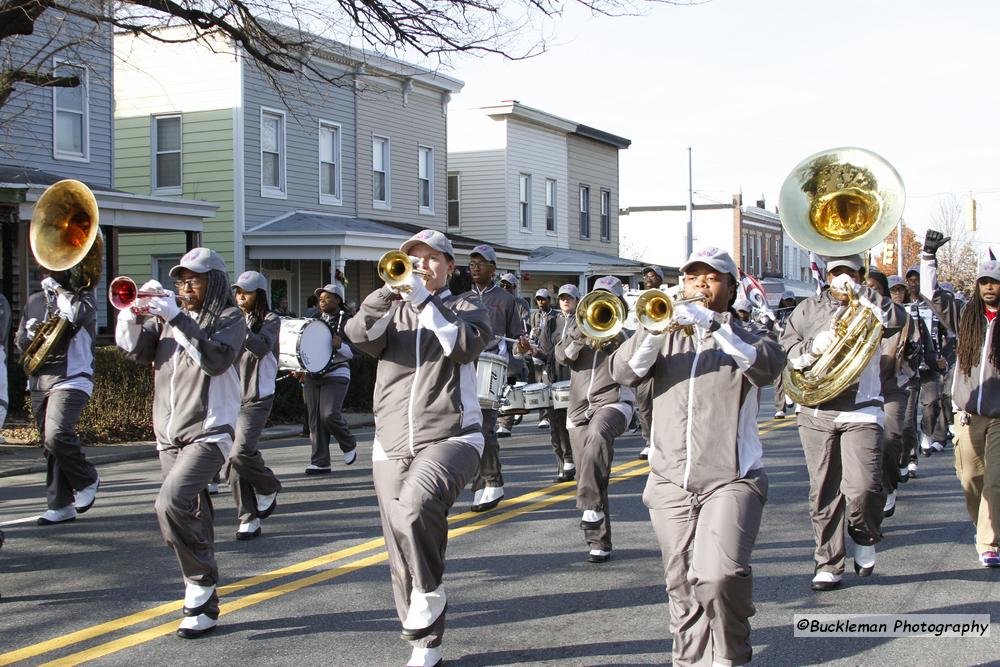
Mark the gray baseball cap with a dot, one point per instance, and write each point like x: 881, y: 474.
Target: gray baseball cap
x: 543, y: 294
x: 486, y: 252
x: 913, y: 269
x: 509, y: 278
x: 896, y: 281
x: 787, y: 294
x: 432, y: 238
x: 853, y: 262
x: 948, y: 287
x: 743, y: 304
x: 716, y: 258
x: 655, y: 269
x: 989, y: 269
x: 332, y: 288
x: 570, y: 289
x: 610, y: 284
x: 200, y: 260
x: 250, y: 281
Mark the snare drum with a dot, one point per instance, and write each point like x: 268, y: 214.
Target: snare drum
x: 537, y: 396
x: 491, y: 376
x: 304, y: 345
x: 560, y: 395
x: 512, y: 401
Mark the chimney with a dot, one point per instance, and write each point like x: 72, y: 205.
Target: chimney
x: 760, y: 202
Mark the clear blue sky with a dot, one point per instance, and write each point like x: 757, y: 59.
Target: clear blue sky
x: 756, y: 85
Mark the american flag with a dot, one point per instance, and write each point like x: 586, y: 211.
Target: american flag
x: 751, y: 289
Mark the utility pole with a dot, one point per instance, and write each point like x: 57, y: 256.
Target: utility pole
x: 899, y: 248
x: 690, y: 206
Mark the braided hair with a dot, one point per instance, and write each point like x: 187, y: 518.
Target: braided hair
x: 259, y: 310
x: 218, y: 296
x: 972, y: 336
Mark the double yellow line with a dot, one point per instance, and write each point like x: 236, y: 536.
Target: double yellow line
x: 523, y: 504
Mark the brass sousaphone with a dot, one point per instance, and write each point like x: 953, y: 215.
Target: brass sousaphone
x: 836, y: 203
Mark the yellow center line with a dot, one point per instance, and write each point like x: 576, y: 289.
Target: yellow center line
x: 528, y: 502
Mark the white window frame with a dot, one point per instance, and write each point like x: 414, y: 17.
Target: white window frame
x: 154, y: 143
x: 426, y: 210
x: 384, y: 204
x: 324, y: 198
x: 524, y: 202
x: 85, y: 139
x: 584, y: 205
x: 605, y: 213
x: 551, y: 194
x: 457, y: 200
x: 280, y: 192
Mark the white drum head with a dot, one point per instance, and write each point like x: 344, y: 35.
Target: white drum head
x: 315, y: 346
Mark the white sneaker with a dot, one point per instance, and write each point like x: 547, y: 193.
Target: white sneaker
x: 911, y: 470
x: 492, y: 493
x: 825, y: 581
x: 213, y: 489
x: 937, y: 446
x: 61, y: 515
x: 425, y: 608
x: 890, y: 505
x: 350, y: 457
x: 84, y: 498
x: 925, y: 445
x: 569, y: 466
x: 502, y: 431
x: 248, y: 530
x: 644, y: 454
x: 543, y: 423
x: 425, y: 657
x: 779, y: 414
x: 195, y: 595
x: 196, y: 626
x: 864, y: 559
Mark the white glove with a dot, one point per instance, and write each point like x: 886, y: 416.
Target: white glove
x: 844, y: 283
x: 151, y: 285
x: 694, y: 313
x: 29, y: 327
x: 50, y: 284
x: 126, y: 315
x: 414, y: 290
x: 164, y: 306
x: 822, y: 342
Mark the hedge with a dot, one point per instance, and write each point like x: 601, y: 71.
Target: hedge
x: 121, y: 407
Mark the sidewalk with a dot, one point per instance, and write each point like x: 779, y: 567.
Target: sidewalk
x: 27, y: 460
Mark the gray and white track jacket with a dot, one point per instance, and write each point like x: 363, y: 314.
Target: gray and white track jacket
x: 547, y: 341
x: 862, y: 401
x: 258, y: 361
x: 705, y: 399
x: 425, y: 386
x: 70, y: 364
x: 898, y: 371
x: 505, y: 319
x: 591, y: 385
x: 196, y: 388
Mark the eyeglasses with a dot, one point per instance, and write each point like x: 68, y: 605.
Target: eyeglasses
x: 188, y: 285
x: 477, y: 265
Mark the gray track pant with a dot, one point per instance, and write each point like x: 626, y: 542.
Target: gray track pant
x: 706, y: 542
x: 414, y: 496
x: 57, y: 413
x: 245, y: 469
x: 932, y: 418
x: 892, y: 438
x: 559, y: 437
x: 644, y: 404
x: 489, y: 473
x: 593, y: 450
x: 184, y: 508
x: 845, y: 477
x: 324, y: 402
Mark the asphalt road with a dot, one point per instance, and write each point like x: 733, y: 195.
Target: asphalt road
x: 314, y: 589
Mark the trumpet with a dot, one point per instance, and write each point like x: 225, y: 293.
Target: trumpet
x: 122, y: 293
x: 600, y: 316
x: 395, y: 267
x: 655, y: 311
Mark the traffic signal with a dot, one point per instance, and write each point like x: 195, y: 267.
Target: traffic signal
x: 889, y: 253
x: 971, y: 213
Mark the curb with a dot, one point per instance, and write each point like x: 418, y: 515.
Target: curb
x: 273, y: 433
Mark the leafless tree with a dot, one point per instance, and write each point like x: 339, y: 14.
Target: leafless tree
x: 280, y: 35
x: 957, y: 258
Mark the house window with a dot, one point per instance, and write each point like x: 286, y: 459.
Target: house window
x: 167, y: 154
x: 454, y: 193
x: 272, y: 154
x: 425, y: 179
x: 584, y: 212
x: 605, y: 215
x: 550, y: 205
x: 71, y: 122
x: 524, y: 200
x: 162, y: 266
x: 329, y: 164
x: 380, y: 172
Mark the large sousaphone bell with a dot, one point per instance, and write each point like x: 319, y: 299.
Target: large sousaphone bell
x: 65, y: 237
x: 836, y: 203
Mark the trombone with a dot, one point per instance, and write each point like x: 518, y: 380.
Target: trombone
x: 395, y: 267
x: 654, y: 310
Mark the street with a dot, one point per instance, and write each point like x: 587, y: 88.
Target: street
x: 314, y: 589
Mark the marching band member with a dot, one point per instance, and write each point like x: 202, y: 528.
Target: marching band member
x: 253, y: 485
x: 5, y: 316
x: 545, y: 351
x: 934, y: 429
x: 428, y: 435
x: 744, y: 309
x: 707, y: 486
x: 60, y: 390
x: 542, y: 321
x: 505, y: 319
x: 652, y: 278
x: 196, y: 348
x: 920, y: 352
x: 977, y: 422
x: 324, y: 393
x: 841, y: 438
x: 599, y: 411
x: 785, y: 307
x: 520, y: 368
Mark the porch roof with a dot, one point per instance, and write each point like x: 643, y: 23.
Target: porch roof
x: 566, y: 260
